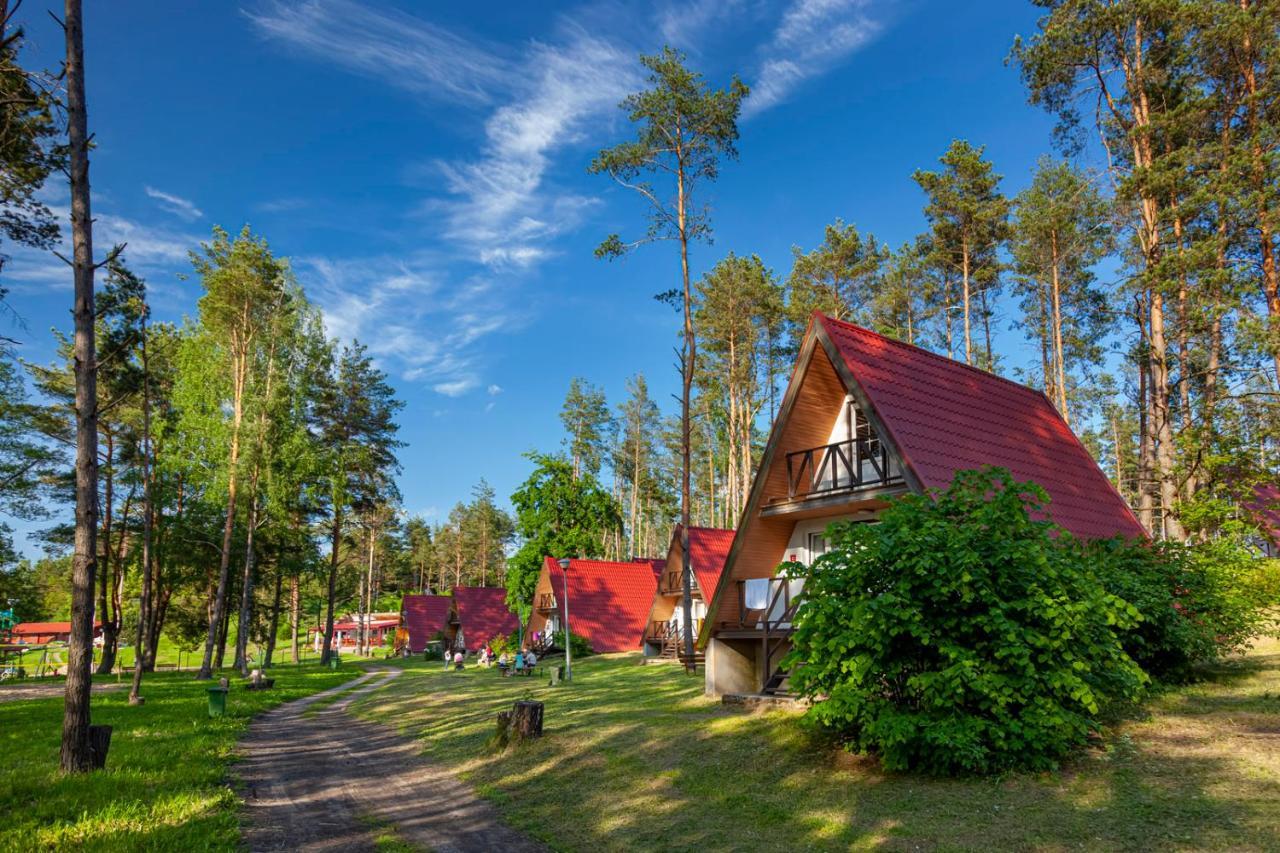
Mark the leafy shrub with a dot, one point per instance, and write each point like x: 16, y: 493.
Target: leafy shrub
x: 961, y: 634
x: 1197, y: 601
x: 581, y: 647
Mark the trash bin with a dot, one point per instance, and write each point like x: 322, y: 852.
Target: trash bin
x: 333, y: 661
x: 217, y: 701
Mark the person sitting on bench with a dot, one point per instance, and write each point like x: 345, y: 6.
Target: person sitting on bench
x: 504, y: 663
x: 530, y: 661
x: 520, y: 663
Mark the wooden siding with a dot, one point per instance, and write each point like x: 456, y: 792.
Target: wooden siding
x: 538, y: 621
x: 761, y: 542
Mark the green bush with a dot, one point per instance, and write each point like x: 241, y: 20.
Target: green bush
x: 1197, y: 601
x: 581, y: 647
x: 961, y: 634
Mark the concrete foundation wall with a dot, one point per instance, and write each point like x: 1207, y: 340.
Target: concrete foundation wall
x: 731, y: 667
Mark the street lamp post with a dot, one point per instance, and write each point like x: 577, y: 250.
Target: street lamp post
x: 568, y: 658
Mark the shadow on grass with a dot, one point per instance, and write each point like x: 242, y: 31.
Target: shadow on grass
x: 635, y: 758
x: 165, y: 786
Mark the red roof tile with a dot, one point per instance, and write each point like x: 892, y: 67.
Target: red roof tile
x: 1265, y: 509
x: 608, y: 602
x: 424, y: 616
x: 945, y: 416
x: 25, y: 628
x: 483, y: 614
x: 708, y: 549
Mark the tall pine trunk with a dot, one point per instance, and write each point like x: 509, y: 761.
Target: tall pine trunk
x: 244, y: 620
x: 224, y: 562
x: 335, y: 539
x: 75, y: 755
x: 144, y: 598
x: 690, y: 361
x: 105, y: 577
x: 295, y: 618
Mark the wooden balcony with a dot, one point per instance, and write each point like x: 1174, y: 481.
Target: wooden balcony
x: 766, y: 607
x: 670, y: 583
x: 846, y: 466
x: 546, y: 602
x: 667, y: 629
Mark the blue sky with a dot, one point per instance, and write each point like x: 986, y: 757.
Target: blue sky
x: 423, y: 167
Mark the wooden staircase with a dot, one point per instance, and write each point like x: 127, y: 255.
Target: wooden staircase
x: 673, y: 650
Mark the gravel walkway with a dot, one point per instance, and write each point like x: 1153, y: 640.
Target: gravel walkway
x: 327, y: 781
x: 18, y: 691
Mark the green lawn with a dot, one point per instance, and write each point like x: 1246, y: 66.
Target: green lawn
x: 635, y: 758
x: 165, y: 786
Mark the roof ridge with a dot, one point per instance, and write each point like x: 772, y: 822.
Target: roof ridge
x: 934, y: 355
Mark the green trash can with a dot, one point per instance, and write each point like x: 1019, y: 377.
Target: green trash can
x: 334, y: 662
x: 217, y: 701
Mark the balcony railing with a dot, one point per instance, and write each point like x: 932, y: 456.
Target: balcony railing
x: 844, y: 466
x: 768, y: 604
x: 673, y: 583
x: 664, y: 629
x: 546, y: 602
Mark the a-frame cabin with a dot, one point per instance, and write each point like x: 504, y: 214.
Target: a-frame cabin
x: 865, y: 418
x: 664, y: 631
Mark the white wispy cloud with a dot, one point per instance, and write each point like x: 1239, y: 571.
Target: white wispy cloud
x: 500, y: 206
x: 154, y: 251
x: 500, y: 213
x: 494, y: 390
x: 395, y: 48
x: 177, y: 205
x: 812, y: 37
x: 684, y: 23
x: 415, y: 320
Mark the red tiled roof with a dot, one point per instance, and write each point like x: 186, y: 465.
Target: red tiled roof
x: 608, y: 602
x: 483, y: 613
x: 23, y: 628
x: 708, y: 549
x: 945, y: 416
x: 1265, y: 509
x: 424, y: 616
x: 373, y: 623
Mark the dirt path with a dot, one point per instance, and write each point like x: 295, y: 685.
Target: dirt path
x: 19, y: 691
x: 327, y: 781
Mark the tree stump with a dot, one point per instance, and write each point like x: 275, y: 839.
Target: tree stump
x: 99, y: 743
x: 526, y: 720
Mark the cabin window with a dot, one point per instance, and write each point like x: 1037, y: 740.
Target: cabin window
x: 756, y: 593
x: 817, y: 546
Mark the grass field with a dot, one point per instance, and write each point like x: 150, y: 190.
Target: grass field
x: 635, y: 758
x: 165, y: 787
x: 169, y: 656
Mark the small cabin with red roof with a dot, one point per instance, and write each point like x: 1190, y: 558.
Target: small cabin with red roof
x: 477, y: 615
x: 1263, y: 508
x: 866, y: 418
x: 608, y: 602
x: 708, y: 548
x: 39, y: 633
x: 424, y: 618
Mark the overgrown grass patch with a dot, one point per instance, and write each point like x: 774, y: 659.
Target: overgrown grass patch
x: 636, y: 758
x: 166, y: 785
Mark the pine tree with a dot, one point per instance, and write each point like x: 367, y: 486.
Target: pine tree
x: 585, y: 415
x: 839, y: 278
x: 354, y: 418
x: 684, y: 130
x: 1060, y: 230
x: 969, y: 218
